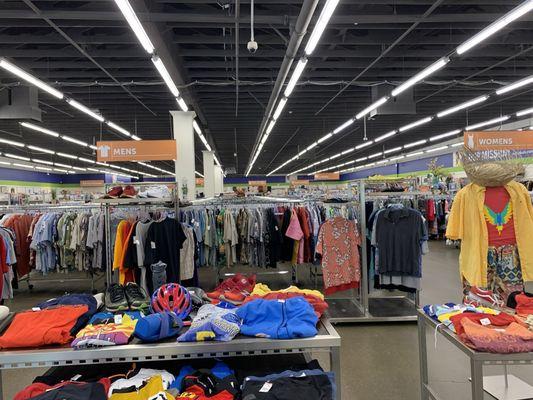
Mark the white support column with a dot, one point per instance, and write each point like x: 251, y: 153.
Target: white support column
x: 209, y: 173
x: 219, y: 180
x: 184, y: 135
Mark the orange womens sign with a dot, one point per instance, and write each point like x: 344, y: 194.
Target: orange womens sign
x: 257, y: 183
x: 327, y: 176
x: 501, y: 140
x: 136, y: 150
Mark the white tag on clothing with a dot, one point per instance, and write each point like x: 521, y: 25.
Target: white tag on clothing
x: 118, y: 319
x: 275, y: 227
x: 208, y: 228
x: 265, y: 388
x: 192, y: 221
x: 484, y: 321
x: 136, y: 241
x: 152, y: 245
x: 75, y: 377
x: 35, y: 309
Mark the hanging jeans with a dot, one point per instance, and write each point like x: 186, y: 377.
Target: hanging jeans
x: 159, y: 274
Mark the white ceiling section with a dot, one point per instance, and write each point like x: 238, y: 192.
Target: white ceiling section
x: 108, y: 70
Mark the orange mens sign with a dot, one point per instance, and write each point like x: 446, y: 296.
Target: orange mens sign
x: 134, y: 150
x: 327, y: 176
x: 500, y: 140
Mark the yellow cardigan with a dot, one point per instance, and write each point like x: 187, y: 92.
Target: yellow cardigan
x: 467, y: 223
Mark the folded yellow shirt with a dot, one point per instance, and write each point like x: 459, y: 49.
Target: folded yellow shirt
x: 261, y: 289
x: 153, y: 387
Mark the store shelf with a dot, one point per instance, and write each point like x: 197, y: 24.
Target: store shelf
x: 135, y: 201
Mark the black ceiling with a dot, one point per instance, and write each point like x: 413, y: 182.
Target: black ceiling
x: 200, y: 36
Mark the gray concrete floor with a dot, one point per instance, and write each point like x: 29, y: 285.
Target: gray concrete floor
x: 379, y: 361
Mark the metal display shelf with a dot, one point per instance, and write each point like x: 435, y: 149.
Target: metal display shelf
x: 135, y: 201
x: 327, y: 340
x: 495, y: 385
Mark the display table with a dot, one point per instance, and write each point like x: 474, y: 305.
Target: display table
x: 327, y: 340
x: 477, y: 359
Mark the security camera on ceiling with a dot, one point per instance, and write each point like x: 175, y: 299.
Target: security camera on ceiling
x: 252, y: 44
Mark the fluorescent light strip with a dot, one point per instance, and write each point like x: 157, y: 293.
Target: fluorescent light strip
x: 24, y: 165
x: 279, y: 109
x: 462, y: 106
x: 16, y: 157
x: 444, y: 135
x: 343, y: 126
x: 416, y: 153
x: 421, y: 76
x: 182, y: 104
x: 37, y: 160
x: 321, y: 25
x: 39, y: 129
x: 417, y: 143
x: 490, y: 30
x: 385, y: 136
x: 118, y: 128
x: 436, y: 149
x: 135, y: 25
x: 86, y: 160
x: 415, y: 124
x: 134, y: 137
x: 29, y: 78
x: 372, y: 107
x: 199, y: 174
x: 524, y: 112
x: 326, y: 137
x: 73, y: 140
x: 64, y: 155
x: 85, y: 110
x: 365, y: 144
x: 44, y: 168
x: 393, y: 150
x: 269, y: 128
x: 514, y: 86
x: 375, y: 155
x: 62, y: 165
x: 36, y: 148
x: 12, y: 142
x: 489, y: 122
x: 298, y: 70
x: 158, y: 63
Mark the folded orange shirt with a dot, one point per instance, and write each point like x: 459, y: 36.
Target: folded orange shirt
x: 43, y: 327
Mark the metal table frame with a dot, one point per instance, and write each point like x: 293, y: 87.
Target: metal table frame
x: 477, y: 359
x: 327, y: 340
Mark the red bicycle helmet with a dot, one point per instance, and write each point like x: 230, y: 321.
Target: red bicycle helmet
x: 172, y: 297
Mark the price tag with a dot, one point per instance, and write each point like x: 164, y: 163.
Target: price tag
x: 35, y: 309
x: 136, y: 241
x: 266, y: 387
x: 152, y: 245
x: 75, y: 377
x: 276, y: 228
x: 484, y: 321
x: 118, y: 319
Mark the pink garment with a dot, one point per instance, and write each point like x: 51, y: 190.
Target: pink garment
x: 301, y: 252
x: 338, y: 239
x: 294, y: 231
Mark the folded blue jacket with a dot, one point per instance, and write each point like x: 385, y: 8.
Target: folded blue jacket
x: 278, y: 319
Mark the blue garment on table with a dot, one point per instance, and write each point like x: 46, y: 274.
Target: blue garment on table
x: 102, y: 317
x: 212, y: 323
x: 278, y: 319
x: 158, y: 326
x: 220, y: 370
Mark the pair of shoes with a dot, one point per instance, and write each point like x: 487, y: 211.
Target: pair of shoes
x: 234, y: 289
x: 128, y: 297
x: 116, y: 192
x: 478, y: 297
x: 156, y: 192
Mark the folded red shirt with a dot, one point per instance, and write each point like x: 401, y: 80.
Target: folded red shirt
x: 502, y: 319
x: 42, y: 327
x: 524, y: 304
x: 68, y: 389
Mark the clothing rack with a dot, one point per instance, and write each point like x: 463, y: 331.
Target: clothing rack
x: 364, y: 306
x: 91, y: 276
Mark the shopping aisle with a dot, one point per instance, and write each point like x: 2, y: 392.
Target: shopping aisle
x: 378, y: 361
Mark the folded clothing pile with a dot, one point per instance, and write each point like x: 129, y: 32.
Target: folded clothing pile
x: 65, y: 390
x: 278, y: 319
x: 212, y: 322
x: 145, y: 384
x: 313, y: 297
x: 37, y: 328
x: 483, y: 328
x: 312, y: 384
x: 106, y: 330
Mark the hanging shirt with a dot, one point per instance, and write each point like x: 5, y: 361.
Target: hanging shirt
x: 338, y: 239
x: 498, y: 211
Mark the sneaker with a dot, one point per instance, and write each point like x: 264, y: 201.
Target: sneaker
x: 478, y: 297
x: 159, y: 192
x: 224, y: 286
x: 115, y: 298
x: 129, y: 192
x: 114, y: 193
x: 241, y: 290
x: 136, y: 296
